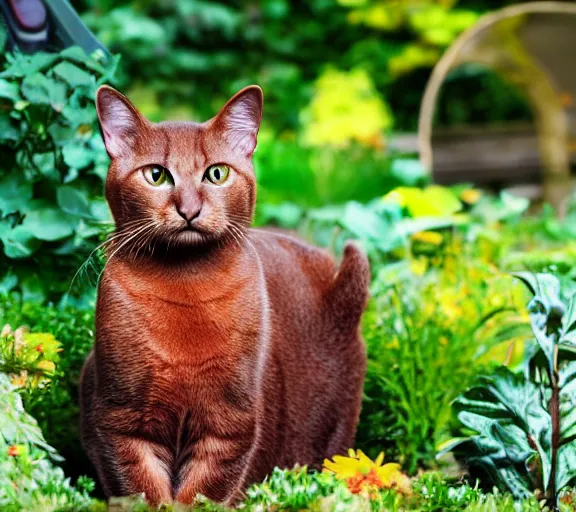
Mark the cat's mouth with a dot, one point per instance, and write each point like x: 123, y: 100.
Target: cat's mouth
x: 192, y: 234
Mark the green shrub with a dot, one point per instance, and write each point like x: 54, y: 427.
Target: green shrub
x: 29, y: 479
x: 428, y: 337
x: 524, y: 423
x: 55, y: 406
x: 52, y: 170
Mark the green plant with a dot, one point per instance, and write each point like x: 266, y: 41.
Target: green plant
x: 55, y: 406
x: 29, y: 358
x: 428, y: 337
x: 29, y: 480
x: 524, y: 423
x: 52, y: 170
x: 411, y: 221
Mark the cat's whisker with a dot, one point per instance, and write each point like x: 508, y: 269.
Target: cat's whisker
x: 128, y: 240
x: 146, y: 237
x: 236, y: 232
x: 233, y: 234
x: 109, y: 239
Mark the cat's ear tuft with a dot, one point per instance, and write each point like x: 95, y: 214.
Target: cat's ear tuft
x: 120, y: 121
x: 240, y: 119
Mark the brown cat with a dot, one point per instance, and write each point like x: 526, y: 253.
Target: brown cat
x: 221, y: 351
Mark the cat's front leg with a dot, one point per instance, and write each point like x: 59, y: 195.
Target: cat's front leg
x: 216, y: 476
x: 129, y: 466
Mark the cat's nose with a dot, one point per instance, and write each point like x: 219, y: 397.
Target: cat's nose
x: 188, y: 212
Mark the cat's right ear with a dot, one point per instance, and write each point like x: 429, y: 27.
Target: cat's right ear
x: 120, y: 121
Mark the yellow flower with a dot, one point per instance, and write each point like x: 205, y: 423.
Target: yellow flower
x: 363, y: 474
x: 19, y: 380
x: 346, y: 107
x: 428, y: 237
x: 471, y: 196
x: 418, y: 266
x: 47, y: 366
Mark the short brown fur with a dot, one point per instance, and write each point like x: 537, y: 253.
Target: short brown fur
x: 221, y: 351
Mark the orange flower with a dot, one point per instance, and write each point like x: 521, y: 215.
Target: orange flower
x: 14, y: 450
x: 361, y: 474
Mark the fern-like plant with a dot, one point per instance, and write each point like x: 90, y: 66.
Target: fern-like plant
x: 524, y: 424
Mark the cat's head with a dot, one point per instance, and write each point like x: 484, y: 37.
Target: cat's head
x: 180, y: 185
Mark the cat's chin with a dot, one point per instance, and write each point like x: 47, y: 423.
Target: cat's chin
x: 191, y: 237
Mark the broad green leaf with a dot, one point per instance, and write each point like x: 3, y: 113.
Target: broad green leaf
x: 8, y: 282
x: 408, y: 170
x: 73, y: 201
x: 77, y: 54
x: 569, y: 319
x: 46, y: 164
x: 49, y: 224
x: 286, y: 215
x: 33, y: 289
x: 15, y: 192
x: 546, y: 309
x: 9, y: 90
x: 77, y: 155
x: 72, y: 74
x: 25, y: 65
x: 80, y: 116
x: 100, y: 211
x: 566, y: 466
x: 20, y: 243
x: 367, y: 225
x: 506, y: 410
x: 38, y: 88
x: 513, y: 205
x: 567, y: 374
x: 8, y: 132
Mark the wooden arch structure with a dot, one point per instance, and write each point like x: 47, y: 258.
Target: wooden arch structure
x: 533, y: 46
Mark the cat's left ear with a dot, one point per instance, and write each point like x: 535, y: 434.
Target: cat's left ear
x: 120, y: 121
x: 240, y: 119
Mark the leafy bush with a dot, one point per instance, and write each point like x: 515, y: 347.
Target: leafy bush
x: 55, y: 405
x: 29, y: 480
x: 52, y: 170
x: 428, y: 337
x: 524, y: 423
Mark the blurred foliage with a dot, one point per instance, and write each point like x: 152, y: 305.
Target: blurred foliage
x: 340, y: 76
x: 345, y: 107
x: 182, y: 58
x: 29, y: 358
x: 52, y: 170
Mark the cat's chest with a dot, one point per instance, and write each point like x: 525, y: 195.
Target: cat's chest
x: 182, y: 319
x: 198, y: 331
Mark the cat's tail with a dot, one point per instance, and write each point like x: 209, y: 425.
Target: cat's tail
x: 348, y: 295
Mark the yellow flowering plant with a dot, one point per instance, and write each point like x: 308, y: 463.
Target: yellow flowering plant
x: 346, y: 108
x: 433, y: 323
x: 28, y: 358
x: 365, y: 476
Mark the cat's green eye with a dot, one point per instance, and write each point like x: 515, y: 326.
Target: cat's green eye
x: 156, y: 175
x: 217, y: 174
